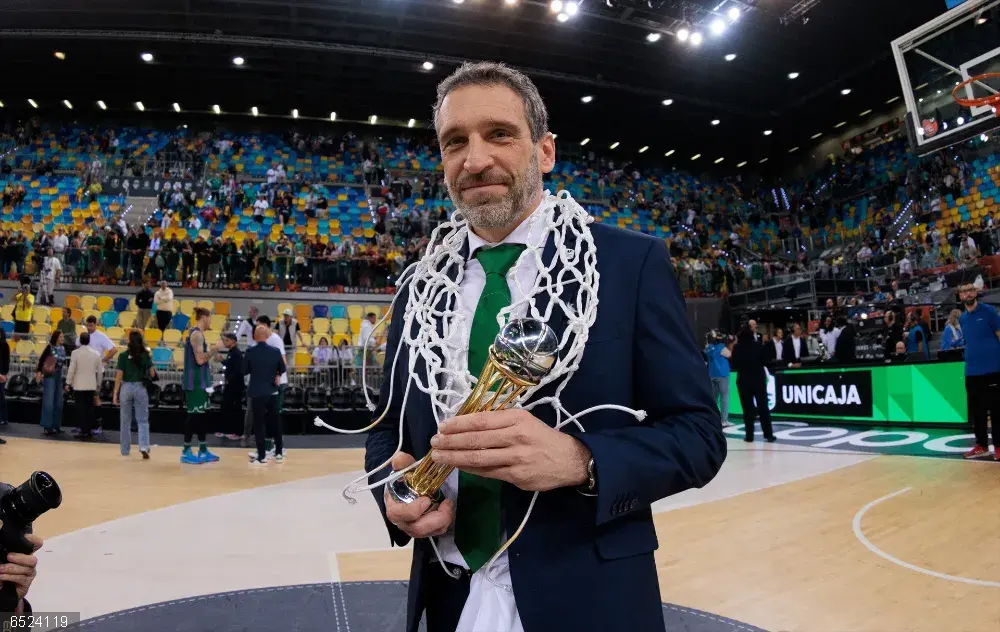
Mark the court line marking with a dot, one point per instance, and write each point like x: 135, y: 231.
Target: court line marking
x: 859, y: 534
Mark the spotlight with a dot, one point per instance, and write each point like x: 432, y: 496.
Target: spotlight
x: 254, y: 110
x: 562, y: 17
x: 718, y: 160
x: 572, y: 8
x: 865, y: 113
x: 1, y: 104
x: 428, y: 65
x: 584, y: 141
x: 946, y: 124
x: 139, y: 106
x: 587, y: 99
x: 147, y: 57
x: 458, y: 1
x: 556, y: 6
x: 762, y: 161
x: 683, y: 34
x: 614, y: 145
x: 668, y: 102
x: 741, y: 165
x: 793, y: 149
x: 961, y: 120
x: 734, y: 14
x: 981, y: 20
x: 60, y: 55
x: 653, y: 37
x: 696, y: 39
x: 768, y: 132
x: 238, y: 61
x: 411, y: 123
x: 177, y: 107
x: 373, y: 119
x: 845, y: 91
x: 984, y: 138
x: 295, y: 113
x: 793, y: 75
x: 69, y: 106
x: 669, y: 153
x: 716, y: 121
x: 815, y: 136
x: 730, y: 57
x: 718, y: 27
x: 510, y: 3
x: 333, y: 116
x: 696, y: 157
x: 892, y: 100
x: 643, y: 149
x: 840, y: 124
x: 217, y: 109
x: 102, y: 105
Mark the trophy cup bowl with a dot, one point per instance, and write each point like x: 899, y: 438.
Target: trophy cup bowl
x: 522, y: 354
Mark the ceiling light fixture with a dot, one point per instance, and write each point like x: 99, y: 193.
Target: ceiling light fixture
x: 238, y: 61
x: 615, y: 144
x: 741, y: 165
x: 586, y: 99
x: 60, y: 55
x: 413, y: 122
x: 793, y: 75
x: 768, y: 132
x: 696, y: 38
x: 793, y: 149
x: 762, y: 161
x: 718, y: 160
x: 32, y: 103
x: 584, y: 141
x: 295, y: 113
x: 892, y: 100
x: 458, y: 1
x: 845, y: 91
x: 510, y: 3
x: 716, y: 121
x: 217, y: 109
x: 840, y: 124
x: 69, y: 106
x: 960, y: 121
x: 815, y: 136
x: 556, y: 6
x: 696, y: 157
x: 139, y: 106
x: 373, y: 119
x: 643, y: 149
x: 333, y: 116
x: 147, y: 57
x: 1, y: 104
x: 667, y: 102
x: 102, y: 105
x: 980, y: 20
x: 921, y: 86
x: 562, y: 17
x: 717, y: 27
x: 683, y: 34
x: 669, y: 153
x: 254, y: 110
x: 428, y: 65
x: 653, y: 37
x: 730, y: 56
x: 865, y: 113
x: 177, y: 107
x: 572, y: 8
x: 734, y: 14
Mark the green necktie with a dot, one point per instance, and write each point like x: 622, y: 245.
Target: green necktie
x: 477, y: 526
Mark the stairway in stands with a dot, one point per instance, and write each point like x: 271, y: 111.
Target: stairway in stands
x: 139, y: 210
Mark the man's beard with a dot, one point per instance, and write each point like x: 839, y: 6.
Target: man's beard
x: 498, y: 211
x: 969, y: 302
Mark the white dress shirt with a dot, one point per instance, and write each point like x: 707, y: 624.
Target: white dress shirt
x: 797, y: 347
x: 489, y: 606
x: 778, y: 348
x: 274, y: 340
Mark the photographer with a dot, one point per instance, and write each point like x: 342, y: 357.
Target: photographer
x: 718, y: 350
x: 20, y: 570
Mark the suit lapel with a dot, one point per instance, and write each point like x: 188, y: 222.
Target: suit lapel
x: 557, y: 321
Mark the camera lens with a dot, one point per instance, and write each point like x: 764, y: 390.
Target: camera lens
x: 32, y: 498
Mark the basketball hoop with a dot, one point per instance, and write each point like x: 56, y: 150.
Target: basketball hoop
x: 992, y: 100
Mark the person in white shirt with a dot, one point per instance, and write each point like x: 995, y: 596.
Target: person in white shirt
x: 99, y: 341
x: 164, y: 301
x: 244, y: 331
x: 259, y: 207
x: 51, y: 271
x: 60, y: 243
x: 366, y: 339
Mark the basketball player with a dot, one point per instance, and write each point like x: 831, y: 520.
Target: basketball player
x: 197, y: 379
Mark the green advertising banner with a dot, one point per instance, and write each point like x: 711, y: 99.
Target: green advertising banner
x: 932, y: 393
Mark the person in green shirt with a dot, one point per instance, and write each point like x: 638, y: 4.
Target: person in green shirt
x: 134, y: 367
x: 95, y: 250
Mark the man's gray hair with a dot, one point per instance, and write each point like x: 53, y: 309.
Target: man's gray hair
x: 491, y: 73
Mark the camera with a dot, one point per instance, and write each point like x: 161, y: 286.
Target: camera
x: 715, y: 337
x: 19, y: 507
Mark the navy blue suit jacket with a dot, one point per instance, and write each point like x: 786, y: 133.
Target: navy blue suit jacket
x: 586, y: 563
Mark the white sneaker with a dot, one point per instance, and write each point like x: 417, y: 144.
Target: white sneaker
x: 255, y: 461
x: 280, y: 458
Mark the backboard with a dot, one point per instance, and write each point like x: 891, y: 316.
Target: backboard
x: 935, y: 58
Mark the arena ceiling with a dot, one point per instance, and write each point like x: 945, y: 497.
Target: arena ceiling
x: 364, y: 57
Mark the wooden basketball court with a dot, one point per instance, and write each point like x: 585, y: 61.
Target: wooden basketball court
x: 786, y: 537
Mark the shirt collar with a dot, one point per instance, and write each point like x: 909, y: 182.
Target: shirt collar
x: 530, y: 232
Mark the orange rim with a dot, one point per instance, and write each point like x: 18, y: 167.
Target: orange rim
x: 991, y: 100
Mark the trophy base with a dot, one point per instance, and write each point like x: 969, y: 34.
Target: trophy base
x: 401, y: 492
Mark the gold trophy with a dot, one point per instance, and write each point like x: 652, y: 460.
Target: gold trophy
x: 521, y: 355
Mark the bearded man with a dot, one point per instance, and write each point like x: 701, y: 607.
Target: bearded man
x: 584, y: 559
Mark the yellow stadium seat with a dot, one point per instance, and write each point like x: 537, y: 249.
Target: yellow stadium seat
x: 41, y: 329
x: 307, y: 339
x: 152, y: 336
x: 321, y: 325
x: 223, y: 308
x: 218, y: 323
x: 171, y: 337
x: 303, y: 311
x: 305, y: 325
x: 337, y: 338
x: 7, y: 311
x: 209, y: 305
x: 24, y: 348
x: 355, y: 312
x: 179, y: 356
x: 105, y: 303
x: 302, y: 358
x: 372, y: 309
x: 355, y: 325
x: 117, y: 334
x: 126, y: 320
x: 40, y: 314
x: 187, y: 307
x: 72, y: 301
x: 88, y: 302
x: 282, y: 307
x: 87, y: 313
x: 339, y: 325
x: 78, y: 316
